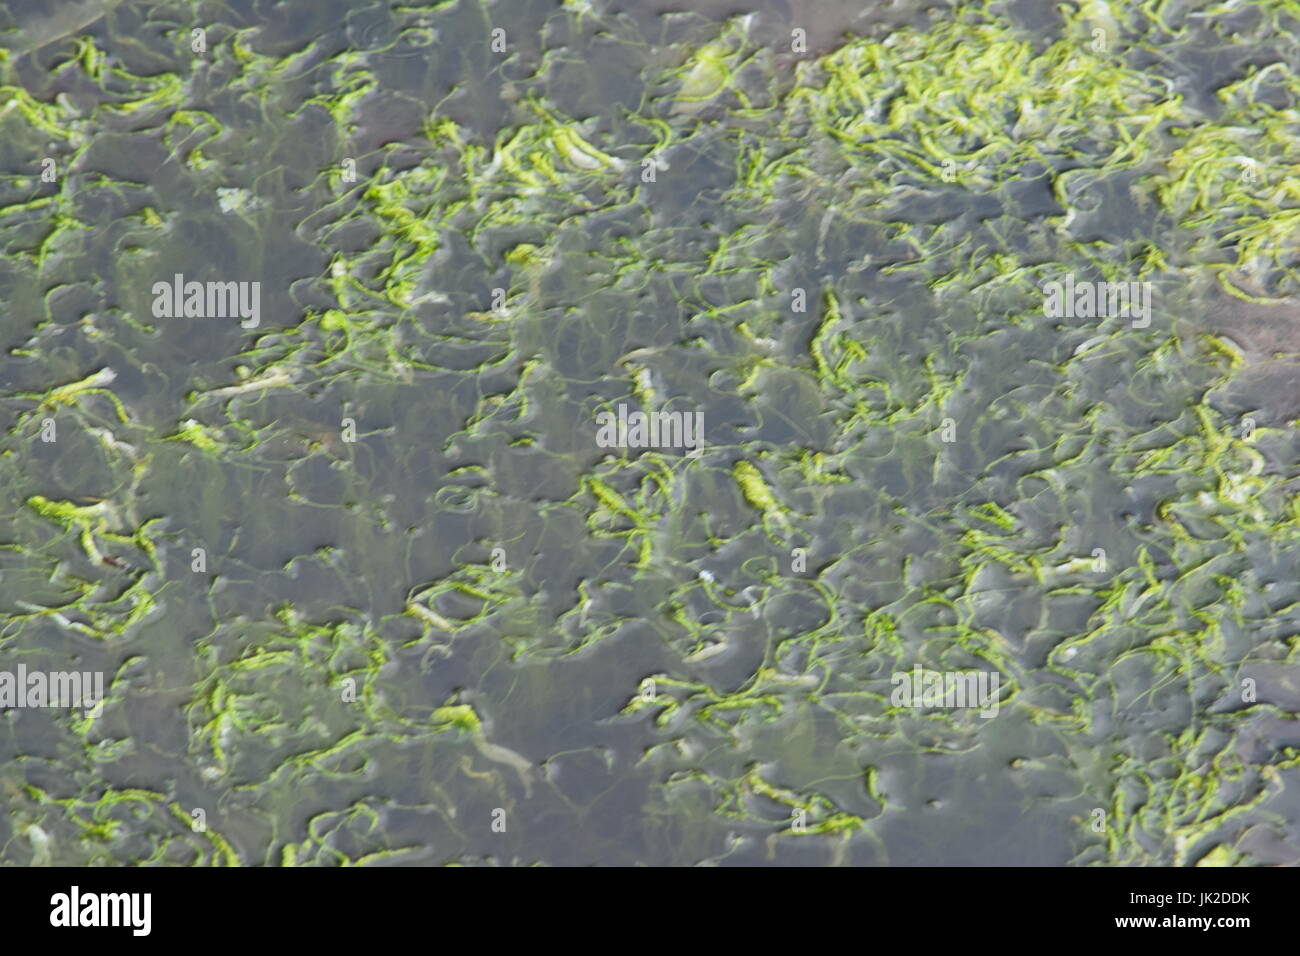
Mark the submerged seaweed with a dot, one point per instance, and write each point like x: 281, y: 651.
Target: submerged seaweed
x: 376, y: 594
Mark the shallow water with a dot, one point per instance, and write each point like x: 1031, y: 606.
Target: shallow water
x: 375, y: 591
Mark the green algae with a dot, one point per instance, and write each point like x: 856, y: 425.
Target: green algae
x: 944, y: 456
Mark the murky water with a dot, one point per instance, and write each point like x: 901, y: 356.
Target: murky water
x: 367, y: 586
